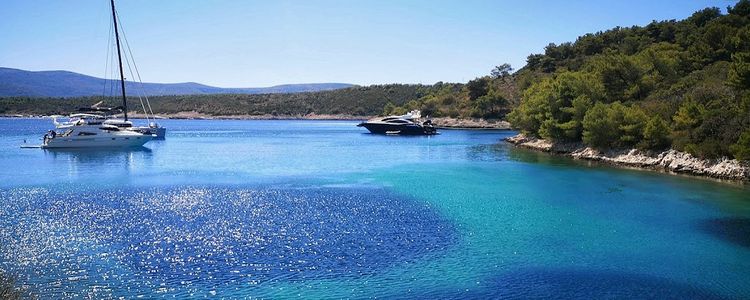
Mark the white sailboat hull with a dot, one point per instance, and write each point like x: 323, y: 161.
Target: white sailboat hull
x: 123, y: 141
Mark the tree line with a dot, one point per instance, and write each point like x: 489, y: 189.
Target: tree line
x: 680, y: 84
x: 490, y: 97
x: 358, y: 101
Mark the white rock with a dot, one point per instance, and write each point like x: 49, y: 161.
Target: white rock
x: 670, y: 160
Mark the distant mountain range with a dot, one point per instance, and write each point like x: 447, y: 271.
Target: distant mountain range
x: 15, y: 82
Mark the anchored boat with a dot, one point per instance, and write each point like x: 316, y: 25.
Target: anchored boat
x: 108, y: 114
x: 408, y: 124
x: 88, y: 130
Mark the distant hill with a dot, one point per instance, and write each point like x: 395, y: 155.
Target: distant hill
x: 358, y: 101
x: 18, y: 83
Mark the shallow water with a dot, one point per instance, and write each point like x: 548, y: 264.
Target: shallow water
x: 322, y: 209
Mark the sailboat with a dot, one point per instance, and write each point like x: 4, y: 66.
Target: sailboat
x: 87, y: 130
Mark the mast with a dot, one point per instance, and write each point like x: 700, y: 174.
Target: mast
x: 119, y: 59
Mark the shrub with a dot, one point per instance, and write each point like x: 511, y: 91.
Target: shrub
x: 741, y: 150
x: 613, y: 126
x: 655, y: 134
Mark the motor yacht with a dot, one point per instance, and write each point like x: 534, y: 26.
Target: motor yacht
x: 94, y: 115
x: 86, y: 131
x: 408, y: 124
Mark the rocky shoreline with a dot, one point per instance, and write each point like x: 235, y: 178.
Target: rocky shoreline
x: 472, y: 123
x: 671, y: 161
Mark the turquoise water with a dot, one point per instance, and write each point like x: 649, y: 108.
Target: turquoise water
x: 321, y: 209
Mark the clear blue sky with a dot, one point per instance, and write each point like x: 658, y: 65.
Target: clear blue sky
x: 260, y: 43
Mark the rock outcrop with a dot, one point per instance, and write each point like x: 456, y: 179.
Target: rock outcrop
x: 670, y: 160
x: 473, y: 123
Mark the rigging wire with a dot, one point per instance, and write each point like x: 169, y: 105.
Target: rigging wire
x: 110, y: 59
x: 113, y: 87
x: 112, y: 70
x: 106, y: 60
x: 138, y: 91
x: 137, y: 73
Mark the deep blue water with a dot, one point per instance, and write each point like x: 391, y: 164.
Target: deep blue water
x: 321, y: 209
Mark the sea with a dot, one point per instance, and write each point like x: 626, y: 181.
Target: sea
x: 240, y: 209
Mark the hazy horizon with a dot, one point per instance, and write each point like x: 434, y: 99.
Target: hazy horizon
x: 185, y: 82
x: 256, y: 44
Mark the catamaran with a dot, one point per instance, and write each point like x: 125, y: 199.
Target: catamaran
x: 87, y: 130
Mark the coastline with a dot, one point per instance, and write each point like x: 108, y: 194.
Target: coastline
x: 471, y: 123
x: 670, y: 161
x: 441, y: 122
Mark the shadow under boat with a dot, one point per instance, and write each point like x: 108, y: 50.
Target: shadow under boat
x: 102, y: 151
x: 95, y: 153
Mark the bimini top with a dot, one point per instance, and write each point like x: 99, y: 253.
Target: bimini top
x: 414, y: 114
x: 79, y: 120
x: 396, y: 120
x: 409, y: 118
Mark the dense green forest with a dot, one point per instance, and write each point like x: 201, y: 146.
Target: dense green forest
x: 485, y: 97
x: 680, y: 84
x: 360, y: 101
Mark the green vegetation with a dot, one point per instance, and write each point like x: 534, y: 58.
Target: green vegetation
x: 485, y: 97
x: 680, y: 84
x: 741, y: 149
x: 362, y: 101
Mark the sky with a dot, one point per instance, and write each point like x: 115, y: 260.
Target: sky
x: 243, y: 43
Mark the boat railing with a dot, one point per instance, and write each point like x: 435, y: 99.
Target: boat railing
x: 66, y: 133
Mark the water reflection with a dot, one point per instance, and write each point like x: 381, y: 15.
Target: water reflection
x: 535, y: 157
x: 193, y: 239
x: 81, y: 161
x: 487, y: 152
x: 97, y: 155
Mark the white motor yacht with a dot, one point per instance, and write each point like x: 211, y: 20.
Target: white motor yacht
x: 152, y: 129
x: 86, y: 131
x: 96, y: 114
x: 407, y: 124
